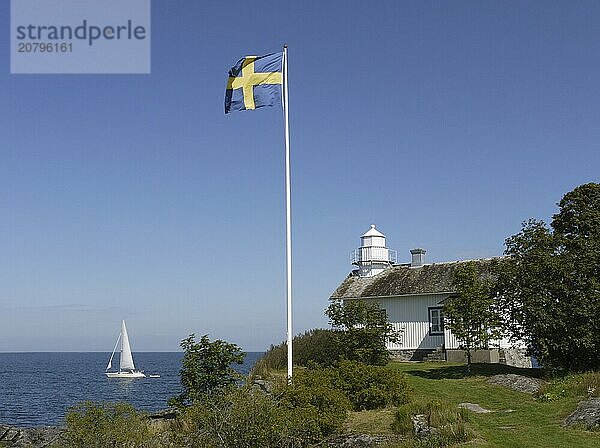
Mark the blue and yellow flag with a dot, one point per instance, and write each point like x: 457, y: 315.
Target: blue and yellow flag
x: 255, y: 81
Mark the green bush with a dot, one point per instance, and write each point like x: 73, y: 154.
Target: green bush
x: 447, y: 423
x: 371, y: 398
x: 313, y: 391
x: 371, y: 387
x: 350, y: 385
x: 583, y: 385
x: 316, y: 346
x: 244, y: 417
x: 101, y: 425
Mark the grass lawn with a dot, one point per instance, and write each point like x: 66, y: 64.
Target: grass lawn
x: 517, y: 420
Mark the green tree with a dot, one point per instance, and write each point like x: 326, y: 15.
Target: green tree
x: 362, y: 330
x: 472, y: 314
x: 550, y: 283
x: 206, y: 367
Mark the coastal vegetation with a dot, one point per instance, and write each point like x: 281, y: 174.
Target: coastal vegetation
x: 216, y: 409
x: 247, y: 416
x: 101, y: 425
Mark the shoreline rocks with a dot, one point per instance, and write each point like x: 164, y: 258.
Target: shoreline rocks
x: 41, y: 437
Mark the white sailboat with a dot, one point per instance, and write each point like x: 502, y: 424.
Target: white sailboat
x: 126, y: 366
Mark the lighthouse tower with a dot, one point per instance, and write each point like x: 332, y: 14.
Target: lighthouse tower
x: 372, y: 257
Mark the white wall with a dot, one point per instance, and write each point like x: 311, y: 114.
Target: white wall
x: 411, y: 313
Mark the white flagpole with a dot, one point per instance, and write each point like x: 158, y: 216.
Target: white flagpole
x: 288, y: 214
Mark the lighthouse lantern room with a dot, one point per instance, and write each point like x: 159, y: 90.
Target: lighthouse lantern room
x: 372, y: 257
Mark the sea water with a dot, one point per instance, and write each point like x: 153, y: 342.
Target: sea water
x: 36, y: 389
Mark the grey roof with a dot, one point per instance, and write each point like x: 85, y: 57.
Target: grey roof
x: 403, y: 280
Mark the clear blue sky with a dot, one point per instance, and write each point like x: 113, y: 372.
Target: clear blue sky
x: 134, y: 196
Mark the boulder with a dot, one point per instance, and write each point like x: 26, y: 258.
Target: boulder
x: 15, y: 437
x: 587, y: 414
x: 519, y: 383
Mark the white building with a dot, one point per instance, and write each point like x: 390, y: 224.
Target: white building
x: 411, y: 293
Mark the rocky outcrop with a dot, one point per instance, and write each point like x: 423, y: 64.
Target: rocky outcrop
x: 519, y: 383
x: 14, y: 437
x: 587, y: 414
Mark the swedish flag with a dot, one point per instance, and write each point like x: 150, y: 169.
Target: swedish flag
x: 254, y: 81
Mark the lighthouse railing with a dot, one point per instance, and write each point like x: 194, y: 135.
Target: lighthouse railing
x: 373, y: 254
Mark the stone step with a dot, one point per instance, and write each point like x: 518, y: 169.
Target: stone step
x: 436, y: 355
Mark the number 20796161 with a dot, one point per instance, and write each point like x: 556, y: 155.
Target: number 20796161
x: 41, y: 47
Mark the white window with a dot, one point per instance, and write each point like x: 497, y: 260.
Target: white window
x: 436, y: 321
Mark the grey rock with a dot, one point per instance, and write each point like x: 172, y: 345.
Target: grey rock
x: 41, y: 437
x: 586, y: 414
x: 519, y: 383
x: 474, y: 407
x: 421, y: 426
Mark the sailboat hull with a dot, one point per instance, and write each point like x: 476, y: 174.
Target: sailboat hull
x: 134, y: 374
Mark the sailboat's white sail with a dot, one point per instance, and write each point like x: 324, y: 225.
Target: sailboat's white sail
x: 109, y: 366
x: 126, y: 356
x: 126, y: 366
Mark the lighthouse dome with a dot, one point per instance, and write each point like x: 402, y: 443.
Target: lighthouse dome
x: 373, y: 232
